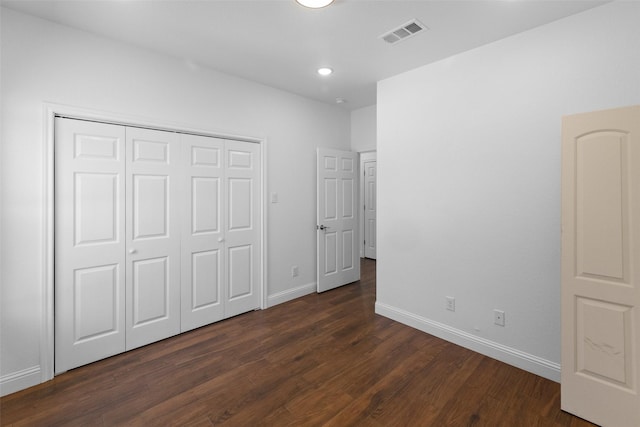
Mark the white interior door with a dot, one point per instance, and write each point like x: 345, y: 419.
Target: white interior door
x: 601, y: 266
x: 89, y: 242
x: 202, y: 231
x: 152, y: 236
x: 337, y: 228
x: 369, y: 176
x: 242, y: 242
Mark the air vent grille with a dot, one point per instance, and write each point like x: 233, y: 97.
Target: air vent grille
x: 413, y: 28
x: 403, y: 32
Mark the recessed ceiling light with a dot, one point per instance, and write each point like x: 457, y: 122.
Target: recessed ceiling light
x: 325, y: 71
x: 315, y: 4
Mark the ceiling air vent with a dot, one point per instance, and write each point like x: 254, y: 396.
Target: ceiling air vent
x: 403, y: 32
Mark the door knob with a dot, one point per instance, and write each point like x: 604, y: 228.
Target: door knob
x: 132, y: 251
x: 220, y: 239
x: 322, y: 227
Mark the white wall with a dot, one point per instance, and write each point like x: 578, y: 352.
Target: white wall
x: 363, y: 129
x: 45, y: 62
x: 469, y: 180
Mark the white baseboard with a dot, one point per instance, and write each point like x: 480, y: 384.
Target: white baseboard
x: 20, y: 380
x: 291, y: 294
x: 511, y: 356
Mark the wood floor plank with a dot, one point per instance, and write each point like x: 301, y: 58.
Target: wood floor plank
x: 320, y: 360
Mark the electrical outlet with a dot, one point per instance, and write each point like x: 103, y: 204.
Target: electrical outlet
x: 450, y: 303
x: 294, y: 271
x: 498, y: 317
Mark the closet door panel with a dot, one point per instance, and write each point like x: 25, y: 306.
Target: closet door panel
x: 150, y: 206
x: 153, y: 236
x: 240, y: 272
x: 89, y: 242
x: 150, y: 290
x: 202, y: 231
x: 243, y: 227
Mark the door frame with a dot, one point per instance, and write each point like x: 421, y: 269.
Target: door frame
x: 50, y: 112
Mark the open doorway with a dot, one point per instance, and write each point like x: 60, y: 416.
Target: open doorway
x: 368, y: 204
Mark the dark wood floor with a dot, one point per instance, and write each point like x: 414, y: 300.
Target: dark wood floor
x: 319, y: 360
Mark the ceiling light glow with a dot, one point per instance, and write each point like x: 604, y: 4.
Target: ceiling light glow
x: 314, y: 4
x: 325, y: 71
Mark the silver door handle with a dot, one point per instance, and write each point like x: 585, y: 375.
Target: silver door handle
x: 220, y: 239
x: 321, y: 227
x: 132, y: 251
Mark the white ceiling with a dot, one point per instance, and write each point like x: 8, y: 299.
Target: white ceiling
x: 281, y: 44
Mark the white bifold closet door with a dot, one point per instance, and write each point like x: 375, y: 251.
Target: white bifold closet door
x: 90, y: 244
x: 242, y: 227
x: 156, y: 233
x: 202, y: 232
x: 220, y: 230
x: 152, y: 235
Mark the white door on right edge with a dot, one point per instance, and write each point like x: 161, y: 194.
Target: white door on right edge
x: 337, y: 227
x: 601, y: 266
